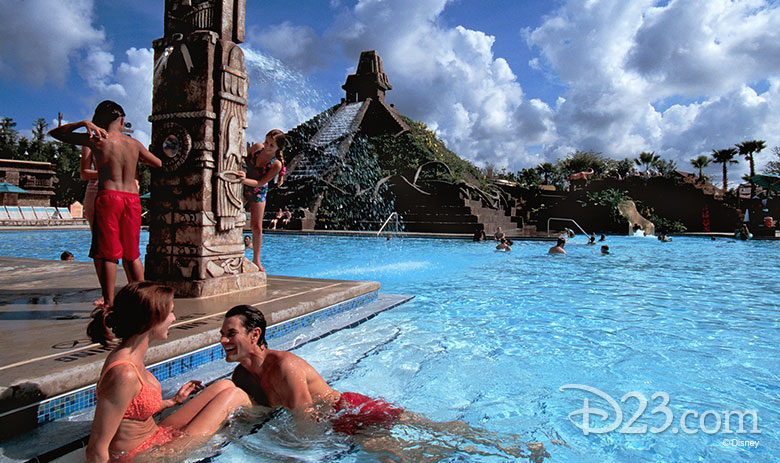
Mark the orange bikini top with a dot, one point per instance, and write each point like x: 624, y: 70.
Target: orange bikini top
x: 146, y: 403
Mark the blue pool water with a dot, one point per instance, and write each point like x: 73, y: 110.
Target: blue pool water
x: 492, y: 337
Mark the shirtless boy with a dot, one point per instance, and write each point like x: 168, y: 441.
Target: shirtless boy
x: 117, y: 222
x: 282, y: 379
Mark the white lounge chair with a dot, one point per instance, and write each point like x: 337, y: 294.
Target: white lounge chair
x: 40, y: 213
x: 64, y: 213
x: 28, y: 213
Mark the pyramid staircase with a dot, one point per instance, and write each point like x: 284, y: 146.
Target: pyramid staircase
x: 446, y: 208
x: 329, y: 144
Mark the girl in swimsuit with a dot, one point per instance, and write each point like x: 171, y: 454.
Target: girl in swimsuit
x: 128, y: 395
x: 264, y: 162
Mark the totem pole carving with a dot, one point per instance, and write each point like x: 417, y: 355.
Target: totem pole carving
x: 198, y: 120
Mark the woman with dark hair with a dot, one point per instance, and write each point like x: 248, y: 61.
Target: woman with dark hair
x: 128, y: 395
x: 264, y: 162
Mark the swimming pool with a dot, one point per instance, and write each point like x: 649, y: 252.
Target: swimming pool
x: 492, y: 337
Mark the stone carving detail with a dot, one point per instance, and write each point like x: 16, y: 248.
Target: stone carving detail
x: 185, y: 16
x: 369, y: 81
x: 174, y: 143
x: 183, y: 115
x: 198, y: 124
x: 229, y: 190
x: 224, y: 267
x: 232, y: 115
x: 225, y: 17
x: 185, y: 268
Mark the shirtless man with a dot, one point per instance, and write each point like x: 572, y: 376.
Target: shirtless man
x: 558, y: 248
x: 282, y: 379
x: 117, y: 223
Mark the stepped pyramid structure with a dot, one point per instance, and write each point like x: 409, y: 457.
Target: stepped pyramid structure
x: 333, y: 143
x: 320, y: 156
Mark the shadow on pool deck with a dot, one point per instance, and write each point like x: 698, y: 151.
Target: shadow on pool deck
x: 45, y: 307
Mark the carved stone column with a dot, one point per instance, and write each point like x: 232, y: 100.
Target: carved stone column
x: 198, y: 120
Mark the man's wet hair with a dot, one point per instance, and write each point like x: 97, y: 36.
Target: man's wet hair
x: 561, y: 241
x: 251, y: 318
x: 107, y: 112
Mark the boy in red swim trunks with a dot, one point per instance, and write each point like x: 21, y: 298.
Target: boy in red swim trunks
x: 117, y: 223
x: 282, y: 379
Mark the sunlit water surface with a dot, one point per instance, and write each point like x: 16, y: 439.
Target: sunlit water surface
x: 491, y: 337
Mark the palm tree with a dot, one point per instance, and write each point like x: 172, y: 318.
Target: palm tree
x: 647, y: 159
x: 725, y: 157
x: 748, y: 149
x: 700, y: 163
x: 545, y: 170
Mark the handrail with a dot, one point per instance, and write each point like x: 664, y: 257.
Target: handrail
x: 386, y: 222
x: 564, y: 218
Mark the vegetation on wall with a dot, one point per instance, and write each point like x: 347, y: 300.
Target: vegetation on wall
x: 405, y: 153
x: 612, y: 197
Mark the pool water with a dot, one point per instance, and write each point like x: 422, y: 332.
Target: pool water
x: 491, y: 338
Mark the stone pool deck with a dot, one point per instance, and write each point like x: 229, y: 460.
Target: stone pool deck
x: 45, y: 307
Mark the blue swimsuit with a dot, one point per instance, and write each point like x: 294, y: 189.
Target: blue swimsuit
x: 256, y: 194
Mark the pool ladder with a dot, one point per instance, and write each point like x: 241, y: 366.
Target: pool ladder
x: 390, y: 217
x: 564, y: 219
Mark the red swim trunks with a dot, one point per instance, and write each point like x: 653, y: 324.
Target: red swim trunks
x: 163, y: 435
x: 354, y: 412
x: 117, y: 226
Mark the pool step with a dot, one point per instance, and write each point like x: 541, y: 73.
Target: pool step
x: 63, y: 440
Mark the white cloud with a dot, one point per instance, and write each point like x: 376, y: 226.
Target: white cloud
x: 672, y: 77
x: 38, y: 37
x: 297, y: 46
x: 619, y: 59
x: 448, y: 78
x: 130, y: 85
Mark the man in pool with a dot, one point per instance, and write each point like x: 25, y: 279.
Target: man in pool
x: 558, y: 248
x: 117, y: 224
x: 276, y: 378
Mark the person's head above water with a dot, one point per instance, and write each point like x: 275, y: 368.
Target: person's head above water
x: 605, y: 249
x: 107, y: 112
x: 138, y: 307
x: 251, y: 318
x: 561, y: 242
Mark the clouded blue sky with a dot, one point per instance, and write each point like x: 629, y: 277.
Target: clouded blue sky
x: 510, y: 82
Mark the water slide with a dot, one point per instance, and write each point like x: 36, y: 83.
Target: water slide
x: 628, y: 210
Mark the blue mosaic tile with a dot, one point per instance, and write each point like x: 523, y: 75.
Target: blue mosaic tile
x: 60, y: 407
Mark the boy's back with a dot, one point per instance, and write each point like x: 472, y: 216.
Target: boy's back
x: 117, y: 223
x: 116, y: 159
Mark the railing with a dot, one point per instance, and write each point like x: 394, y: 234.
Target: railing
x: 390, y: 217
x: 565, y: 220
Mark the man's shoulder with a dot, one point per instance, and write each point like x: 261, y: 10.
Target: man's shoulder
x: 287, y: 362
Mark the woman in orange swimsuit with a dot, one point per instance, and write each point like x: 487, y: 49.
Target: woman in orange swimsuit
x: 129, y: 395
x: 263, y: 163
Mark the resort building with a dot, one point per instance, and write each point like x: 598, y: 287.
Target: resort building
x: 35, y: 179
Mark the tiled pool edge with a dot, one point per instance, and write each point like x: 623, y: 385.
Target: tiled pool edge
x: 61, y: 406
x: 285, y: 334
